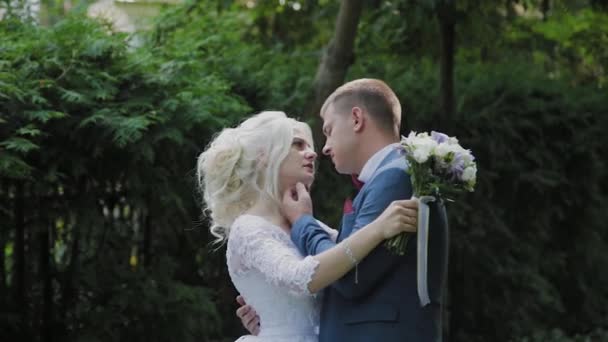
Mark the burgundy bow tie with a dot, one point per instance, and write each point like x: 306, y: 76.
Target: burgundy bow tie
x: 358, y: 184
x: 348, y: 203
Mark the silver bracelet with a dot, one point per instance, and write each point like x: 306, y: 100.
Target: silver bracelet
x: 352, y: 258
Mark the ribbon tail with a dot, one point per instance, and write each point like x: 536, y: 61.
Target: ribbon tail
x: 423, y: 244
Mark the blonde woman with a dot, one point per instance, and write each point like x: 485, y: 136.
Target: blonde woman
x: 243, y: 175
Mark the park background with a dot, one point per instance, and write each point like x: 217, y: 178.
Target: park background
x: 104, y: 107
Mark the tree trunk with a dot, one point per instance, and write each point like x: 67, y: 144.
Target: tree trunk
x: 3, y: 239
x: 545, y: 7
x: 145, y: 217
x: 511, y: 14
x: 446, y: 21
x: 46, y: 333
x: 19, y: 252
x: 337, y: 58
x: 4, y: 236
x: 70, y: 293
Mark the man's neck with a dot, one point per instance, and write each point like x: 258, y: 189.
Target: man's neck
x: 371, y: 147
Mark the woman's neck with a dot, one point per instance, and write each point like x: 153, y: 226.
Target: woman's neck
x: 269, y: 210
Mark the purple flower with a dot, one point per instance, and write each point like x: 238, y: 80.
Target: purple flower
x: 439, y: 137
x: 456, y: 167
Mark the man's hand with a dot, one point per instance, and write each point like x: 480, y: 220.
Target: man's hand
x: 249, y: 318
x: 296, y: 202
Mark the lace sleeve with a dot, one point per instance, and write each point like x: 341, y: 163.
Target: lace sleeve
x: 260, y: 246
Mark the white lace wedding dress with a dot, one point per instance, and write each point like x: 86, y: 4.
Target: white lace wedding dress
x: 270, y: 273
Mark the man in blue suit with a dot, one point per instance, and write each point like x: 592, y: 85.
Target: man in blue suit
x: 378, y: 300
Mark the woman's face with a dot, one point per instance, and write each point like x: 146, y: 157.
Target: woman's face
x: 299, y: 164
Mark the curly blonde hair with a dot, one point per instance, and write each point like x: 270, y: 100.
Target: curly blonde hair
x: 241, y: 164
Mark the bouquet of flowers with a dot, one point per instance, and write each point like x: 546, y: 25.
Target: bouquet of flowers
x: 438, y: 166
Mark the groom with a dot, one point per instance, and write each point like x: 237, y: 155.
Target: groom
x: 378, y: 300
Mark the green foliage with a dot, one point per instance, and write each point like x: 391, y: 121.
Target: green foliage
x: 104, y: 138
x: 267, y: 76
x: 526, y: 247
x: 143, y: 305
x: 573, y: 42
x: 94, y: 83
x: 557, y: 335
x: 538, y: 202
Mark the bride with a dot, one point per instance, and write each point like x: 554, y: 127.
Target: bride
x: 243, y: 175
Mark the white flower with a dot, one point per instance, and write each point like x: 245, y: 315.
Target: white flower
x: 452, y: 141
x: 423, y: 147
x: 470, y: 173
x: 408, y: 140
x: 421, y: 155
x: 442, y: 150
x: 467, y: 157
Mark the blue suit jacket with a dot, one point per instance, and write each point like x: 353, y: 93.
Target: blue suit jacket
x: 384, y: 305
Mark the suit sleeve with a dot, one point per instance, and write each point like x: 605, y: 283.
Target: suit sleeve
x: 393, y: 184
x: 310, y: 237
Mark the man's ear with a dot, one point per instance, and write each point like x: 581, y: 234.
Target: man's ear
x: 358, y: 118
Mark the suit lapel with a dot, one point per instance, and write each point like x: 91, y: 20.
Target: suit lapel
x: 389, y: 157
x: 348, y: 220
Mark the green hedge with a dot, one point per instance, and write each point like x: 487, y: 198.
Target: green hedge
x: 528, y: 247
x: 90, y: 126
x: 100, y: 139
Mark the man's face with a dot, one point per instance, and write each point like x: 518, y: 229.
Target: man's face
x: 340, y: 139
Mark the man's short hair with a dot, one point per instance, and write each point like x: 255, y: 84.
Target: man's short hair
x: 375, y: 96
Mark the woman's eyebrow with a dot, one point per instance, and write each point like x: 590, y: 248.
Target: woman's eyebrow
x: 298, y: 139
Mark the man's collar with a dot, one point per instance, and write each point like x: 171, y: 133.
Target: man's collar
x: 374, y: 162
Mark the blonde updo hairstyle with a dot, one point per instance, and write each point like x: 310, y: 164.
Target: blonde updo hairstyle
x: 242, y: 164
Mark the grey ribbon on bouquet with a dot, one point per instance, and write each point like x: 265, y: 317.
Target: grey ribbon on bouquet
x: 423, y: 246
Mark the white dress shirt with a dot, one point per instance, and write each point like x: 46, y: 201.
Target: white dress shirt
x: 373, y: 163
